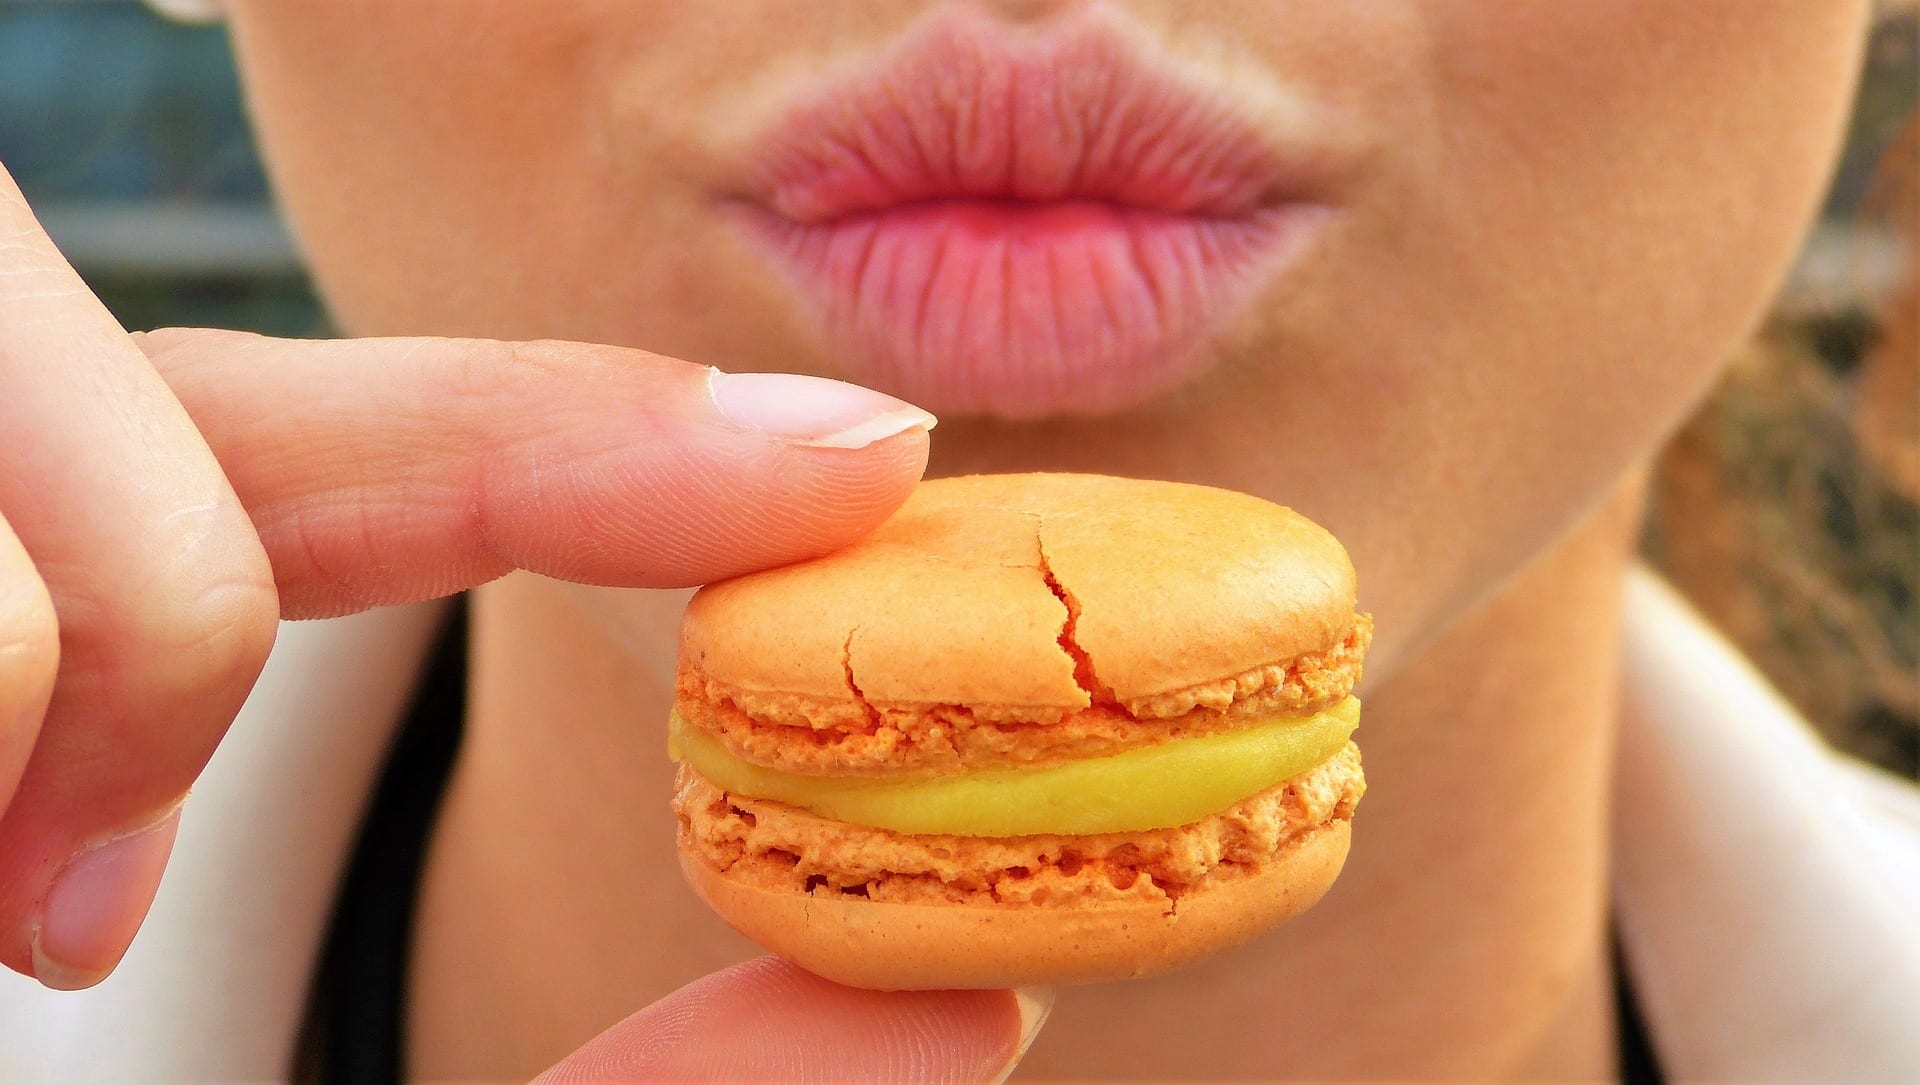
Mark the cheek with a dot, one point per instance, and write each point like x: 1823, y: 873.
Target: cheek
x: 1628, y: 180
x: 403, y: 140
x: 511, y: 171
x: 1594, y: 207
x: 531, y: 170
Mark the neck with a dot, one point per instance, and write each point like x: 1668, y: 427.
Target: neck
x: 1466, y: 938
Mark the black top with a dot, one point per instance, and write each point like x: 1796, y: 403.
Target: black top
x: 353, y: 1031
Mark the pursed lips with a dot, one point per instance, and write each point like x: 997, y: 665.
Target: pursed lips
x: 1024, y: 223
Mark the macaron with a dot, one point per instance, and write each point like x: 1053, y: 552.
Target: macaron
x: 1035, y: 729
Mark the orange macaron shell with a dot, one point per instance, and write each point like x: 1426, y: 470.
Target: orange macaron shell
x: 1174, y: 592
x: 924, y: 947
x: 1000, y: 622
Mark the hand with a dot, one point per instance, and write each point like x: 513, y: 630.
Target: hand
x: 768, y: 1020
x: 164, y: 499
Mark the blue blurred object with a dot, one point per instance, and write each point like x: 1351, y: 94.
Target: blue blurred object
x: 104, y: 101
x: 127, y: 134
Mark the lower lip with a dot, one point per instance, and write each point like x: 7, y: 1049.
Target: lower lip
x: 1027, y: 309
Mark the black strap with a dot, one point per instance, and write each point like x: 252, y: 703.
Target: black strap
x: 1639, y: 1063
x: 356, y: 1012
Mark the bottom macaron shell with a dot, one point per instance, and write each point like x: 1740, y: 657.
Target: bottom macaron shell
x: 904, y: 947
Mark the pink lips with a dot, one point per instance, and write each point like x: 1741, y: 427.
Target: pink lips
x: 993, y: 222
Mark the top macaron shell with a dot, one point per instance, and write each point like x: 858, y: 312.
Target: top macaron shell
x: 1053, y: 588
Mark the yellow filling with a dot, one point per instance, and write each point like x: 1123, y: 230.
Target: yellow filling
x: 1155, y: 787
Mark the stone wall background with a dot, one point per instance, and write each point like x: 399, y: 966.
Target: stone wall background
x: 1786, y: 509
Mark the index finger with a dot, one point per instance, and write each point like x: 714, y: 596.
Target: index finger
x: 390, y: 470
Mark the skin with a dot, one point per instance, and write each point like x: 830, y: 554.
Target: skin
x: 1565, y: 217
x: 1539, y: 249
x: 1562, y: 217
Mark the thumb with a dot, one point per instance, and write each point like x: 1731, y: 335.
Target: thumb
x: 770, y: 1020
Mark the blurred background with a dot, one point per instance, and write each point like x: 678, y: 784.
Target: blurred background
x: 1787, y: 508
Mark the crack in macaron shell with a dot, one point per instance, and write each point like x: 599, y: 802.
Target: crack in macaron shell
x: 1083, y: 670
x: 839, y: 737
x: 952, y: 603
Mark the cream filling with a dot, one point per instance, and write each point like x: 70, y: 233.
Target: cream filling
x: 1155, y: 787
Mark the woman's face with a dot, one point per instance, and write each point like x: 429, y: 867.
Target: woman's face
x: 1435, y: 273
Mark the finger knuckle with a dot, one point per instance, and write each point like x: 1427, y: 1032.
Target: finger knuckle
x: 196, y: 633
x: 220, y: 636
x: 29, y: 639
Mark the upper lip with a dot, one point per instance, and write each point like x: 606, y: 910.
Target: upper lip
x: 971, y: 109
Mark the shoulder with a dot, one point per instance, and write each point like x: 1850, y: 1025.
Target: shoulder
x: 1763, y: 882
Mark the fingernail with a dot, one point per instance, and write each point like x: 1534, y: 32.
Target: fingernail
x: 1034, y: 1003
x: 97, y: 902
x: 812, y: 411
